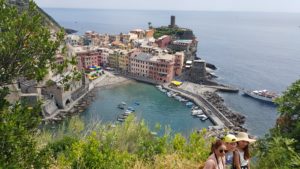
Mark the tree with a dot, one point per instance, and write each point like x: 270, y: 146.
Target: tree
x: 280, y: 149
x: 26, y: 46
x: 27, y: 49
x: 150, y: 25
x: 288, y: 122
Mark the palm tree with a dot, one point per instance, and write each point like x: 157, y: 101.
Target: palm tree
x: 150, y: 25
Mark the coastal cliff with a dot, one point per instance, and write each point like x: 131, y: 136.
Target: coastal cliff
x: 48, y: 20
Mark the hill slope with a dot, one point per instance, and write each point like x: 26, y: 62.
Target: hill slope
x: 49, y: 21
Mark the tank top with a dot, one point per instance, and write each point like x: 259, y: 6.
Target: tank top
x: 242, y: 159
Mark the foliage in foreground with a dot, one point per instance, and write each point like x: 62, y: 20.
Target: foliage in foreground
x: 128, y: 145
x: 280, y: 149
x: 288, y: 123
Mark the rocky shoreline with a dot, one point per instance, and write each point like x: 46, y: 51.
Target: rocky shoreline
x: 235, y: 118
x: 78, y: 108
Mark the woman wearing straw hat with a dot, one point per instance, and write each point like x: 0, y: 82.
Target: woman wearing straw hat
x: 241, y: 157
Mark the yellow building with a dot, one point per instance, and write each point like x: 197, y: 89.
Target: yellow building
x: 119, y: 59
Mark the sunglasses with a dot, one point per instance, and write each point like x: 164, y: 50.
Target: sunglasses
x: 222, y: 151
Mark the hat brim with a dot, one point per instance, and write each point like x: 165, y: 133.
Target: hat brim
x: 246, y: 139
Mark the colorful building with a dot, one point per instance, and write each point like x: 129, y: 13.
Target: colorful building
x: 86, y: 56
x: 73, y: 40
x: 104, y: 40
x: 119, y: 59
x: 179, y: 61
x: 149, y: 33
x: 158, y: 68
x: 104, y: 55
x: 163, y: 41
x: 139, y: 32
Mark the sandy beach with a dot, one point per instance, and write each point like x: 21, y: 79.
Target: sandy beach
x: 110, y: 80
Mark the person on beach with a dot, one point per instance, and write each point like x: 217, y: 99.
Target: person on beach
x: 241, y: 156
x: 217, y: 158
x: 230, y: 142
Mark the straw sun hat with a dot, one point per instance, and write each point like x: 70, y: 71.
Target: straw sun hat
x: 242, y: 136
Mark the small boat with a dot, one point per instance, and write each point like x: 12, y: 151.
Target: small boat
x: 136, y: 103
x: 159, y: 86
x: 127, y: 112
x: 131, y: 109
x: 121, y: 120
x: 162, y: 90
x: 189, y: 104
x: 262, y: 95
x: 183, y: 100
x: 197, y: 112
x: 202, y: 117
x: 122, y: 116
x: 178, y: 98
x: 169, y: 94
x: 122, y: 105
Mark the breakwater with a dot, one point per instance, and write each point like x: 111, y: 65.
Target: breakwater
x: 213, y: 106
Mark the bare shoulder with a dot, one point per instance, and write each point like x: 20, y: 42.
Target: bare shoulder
x: 209, y: 164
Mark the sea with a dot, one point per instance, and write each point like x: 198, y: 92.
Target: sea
x: 251, y: 50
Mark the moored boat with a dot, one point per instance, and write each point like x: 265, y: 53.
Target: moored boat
x: 263, y: 95
x: 128, y: 112
x: 202, y: 117
x: 121, y: 119
x: 197, y: 112
x: 189, y: 104
x: 122, y: 105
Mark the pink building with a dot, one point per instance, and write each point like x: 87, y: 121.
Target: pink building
x: 158, y: 68
x: 87, y: 57
x: 163, y: 41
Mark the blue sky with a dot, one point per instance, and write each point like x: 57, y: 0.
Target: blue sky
x: 206, y: 5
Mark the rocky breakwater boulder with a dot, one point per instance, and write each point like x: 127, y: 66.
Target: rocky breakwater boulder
x: 83, y: 103
x: 235, y: 118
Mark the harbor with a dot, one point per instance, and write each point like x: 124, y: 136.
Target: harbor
x: 188, y: 100
x: 149, y: 104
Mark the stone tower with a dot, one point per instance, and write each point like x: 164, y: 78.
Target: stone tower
x: 173, y: 19
x: 198, y: 71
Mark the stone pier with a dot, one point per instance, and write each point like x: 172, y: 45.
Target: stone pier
x: 213, y: 113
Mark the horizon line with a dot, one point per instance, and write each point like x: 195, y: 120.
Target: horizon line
x: 185, y: 10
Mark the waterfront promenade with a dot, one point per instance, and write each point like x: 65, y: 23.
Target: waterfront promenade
x: 213, y: 113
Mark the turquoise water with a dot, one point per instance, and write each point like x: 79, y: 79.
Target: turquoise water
x: 155, y: 107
